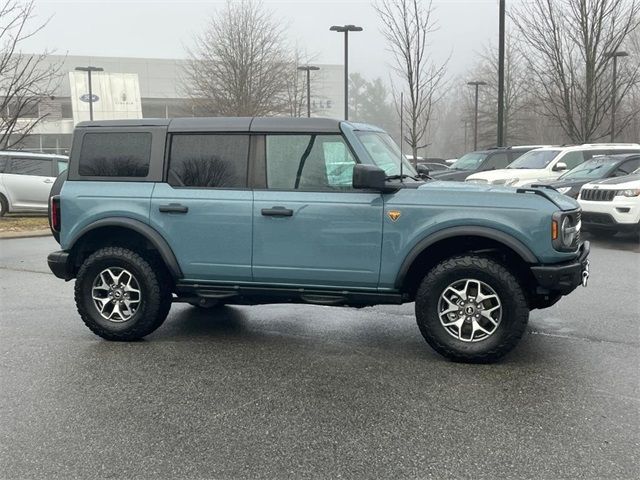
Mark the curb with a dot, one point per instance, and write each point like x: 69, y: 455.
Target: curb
x: 31, y: 234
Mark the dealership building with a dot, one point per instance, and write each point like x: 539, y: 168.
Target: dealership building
x: 140, y: 88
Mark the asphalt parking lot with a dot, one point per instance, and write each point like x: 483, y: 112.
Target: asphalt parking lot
x: 316, y: 392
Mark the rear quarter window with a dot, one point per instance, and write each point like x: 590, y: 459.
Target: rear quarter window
x: 115, y: 154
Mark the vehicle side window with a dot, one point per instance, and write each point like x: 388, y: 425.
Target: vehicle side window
x: 572, y: 159
x: 496, y: 161
x: 309, y: 162
x: 627, y: 167
x: 29, y: 166
x: 115, y: 154
x: 3, y: 163
x: 209, y: 161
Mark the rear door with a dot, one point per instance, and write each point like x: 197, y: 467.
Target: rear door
x: 28, y: 181
x: 204, y: 209
x: 310, y: 226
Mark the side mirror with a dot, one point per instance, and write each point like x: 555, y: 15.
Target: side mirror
x: 369, y: 177
x: 423, y: 169
x: 559, y: 167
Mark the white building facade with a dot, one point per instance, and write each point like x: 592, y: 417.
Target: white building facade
x: 141, y: 88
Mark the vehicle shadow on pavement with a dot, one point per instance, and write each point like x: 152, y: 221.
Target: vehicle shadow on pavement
x: 365, y: 331
x: 620, y: 241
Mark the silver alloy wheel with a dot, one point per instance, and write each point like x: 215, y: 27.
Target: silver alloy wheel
x: 116, y: 294
x: 470, y: 310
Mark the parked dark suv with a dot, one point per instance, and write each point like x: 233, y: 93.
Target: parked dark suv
x: 480, y: 161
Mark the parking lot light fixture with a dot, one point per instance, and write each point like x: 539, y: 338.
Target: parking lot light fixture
x: 90, y: 69
x: 346, y: 29
x: 308, y: 69
x: 476, y: 84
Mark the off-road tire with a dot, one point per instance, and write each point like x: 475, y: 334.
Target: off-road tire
x: 154, y: 285
x: 4, y: 206
x: 515, y: 310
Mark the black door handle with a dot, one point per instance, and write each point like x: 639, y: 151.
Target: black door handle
x: 277, y: 212
x: 173, y: 208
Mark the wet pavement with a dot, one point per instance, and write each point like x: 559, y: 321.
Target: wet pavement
x: 286, y: 391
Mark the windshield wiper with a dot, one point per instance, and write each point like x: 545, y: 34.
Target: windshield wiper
x: 402, y: 177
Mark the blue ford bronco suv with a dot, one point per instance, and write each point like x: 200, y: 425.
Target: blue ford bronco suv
x: 214, y: 211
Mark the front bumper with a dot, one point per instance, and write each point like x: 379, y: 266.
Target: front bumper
x: 61, y: 265
x: 621, y: 213
x: 563, y: 278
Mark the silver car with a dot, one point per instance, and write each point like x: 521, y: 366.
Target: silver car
x: 26, y: 179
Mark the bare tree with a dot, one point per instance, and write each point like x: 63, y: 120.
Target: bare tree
x: 25, y: 80
x: 567, y: 44
x: 239, y: 66
x: 517, y: 98
x: 407, y: 26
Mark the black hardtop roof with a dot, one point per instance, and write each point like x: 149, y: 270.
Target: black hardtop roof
x: 227, y: 124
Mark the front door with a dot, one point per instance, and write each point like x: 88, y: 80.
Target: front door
x: 204, y: 210
x: 310, y: 226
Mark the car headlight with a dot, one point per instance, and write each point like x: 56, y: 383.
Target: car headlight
x: 563, y: 189
x: 633, y: 192
x: 565, y: 230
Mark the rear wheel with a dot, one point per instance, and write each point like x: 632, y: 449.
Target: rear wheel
x: 120, y: 295
x: 471, y: 309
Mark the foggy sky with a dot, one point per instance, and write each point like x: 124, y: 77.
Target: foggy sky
x: 163, y: 29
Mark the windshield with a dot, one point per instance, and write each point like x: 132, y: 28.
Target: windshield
x: 590, y: 169
x: 385, y: 153
x: 535, y: 159
x: 470, y: 161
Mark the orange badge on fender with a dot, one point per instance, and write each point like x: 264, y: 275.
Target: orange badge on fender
x: 394, y: 215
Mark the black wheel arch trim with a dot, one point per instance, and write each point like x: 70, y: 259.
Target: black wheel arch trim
x: 152, y: 235
x: 516, y: 245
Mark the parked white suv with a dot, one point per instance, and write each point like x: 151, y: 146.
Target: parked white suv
x: 612, y: 204
x: 26, y: 179
x: 548, y: 163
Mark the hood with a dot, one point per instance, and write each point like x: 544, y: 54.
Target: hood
x: 509, y: 173
x: 574, y: 182
x: 633, y: 180
x: 561, y: 201
x: 451, y: 174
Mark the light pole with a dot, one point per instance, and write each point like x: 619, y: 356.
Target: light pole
x: 346, y: 29
x: 308, y: 69
x: 475, y: 126
x: 500, y: 139
x: 614, y: 90
x: 90, y: 69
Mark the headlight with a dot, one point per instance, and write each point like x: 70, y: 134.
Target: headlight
x: 564, y: 189
x: 633, y: 192
x: 565, y: 230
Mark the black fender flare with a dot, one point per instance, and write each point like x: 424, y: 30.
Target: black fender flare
x: 157, y: 240
x: 476, y: 231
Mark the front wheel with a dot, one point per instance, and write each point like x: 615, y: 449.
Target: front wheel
x: 120, y: 295
x: 471, y: 309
